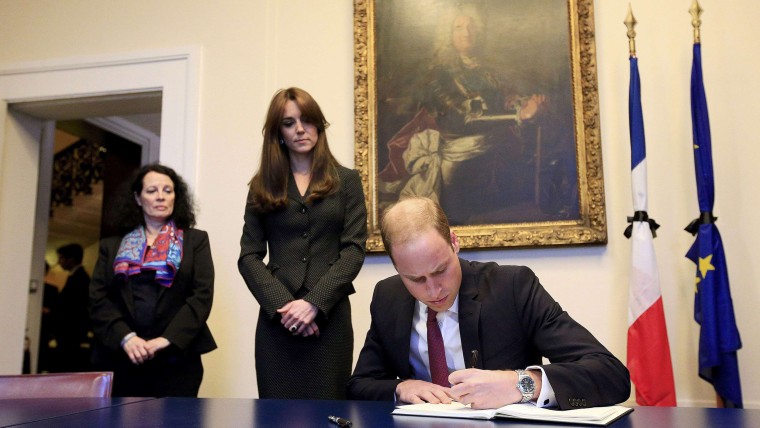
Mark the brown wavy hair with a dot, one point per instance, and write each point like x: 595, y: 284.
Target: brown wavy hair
x: 269, y: 186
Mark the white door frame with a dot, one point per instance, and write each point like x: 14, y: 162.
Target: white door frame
x: 176, y: 73
x: 148, y: 141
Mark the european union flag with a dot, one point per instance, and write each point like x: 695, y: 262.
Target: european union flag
x: 713, y: 308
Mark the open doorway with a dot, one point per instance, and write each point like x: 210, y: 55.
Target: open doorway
x: 89, y: 165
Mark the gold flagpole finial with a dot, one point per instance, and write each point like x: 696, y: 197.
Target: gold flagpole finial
x: 696, y: 11
x: 630, y: 22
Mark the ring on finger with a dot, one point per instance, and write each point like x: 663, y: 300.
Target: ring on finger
x: 293, y: 328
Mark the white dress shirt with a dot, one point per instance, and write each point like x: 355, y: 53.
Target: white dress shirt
x: 448, y: 322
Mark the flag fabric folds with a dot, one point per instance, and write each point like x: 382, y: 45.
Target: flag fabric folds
x: 648, y: 347
x: 719, y: 338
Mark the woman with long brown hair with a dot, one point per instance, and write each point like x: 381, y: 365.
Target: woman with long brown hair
x: 309, y: 211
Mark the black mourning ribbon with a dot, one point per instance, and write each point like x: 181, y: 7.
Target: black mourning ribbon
x: 641, y: 216
x: 705, y: 217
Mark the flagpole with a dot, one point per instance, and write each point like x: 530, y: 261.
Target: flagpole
x: 630, y: 22
x: 648, y: 353
x: 696, y: 11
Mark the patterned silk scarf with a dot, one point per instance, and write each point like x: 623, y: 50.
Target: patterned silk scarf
x: 164, y: 256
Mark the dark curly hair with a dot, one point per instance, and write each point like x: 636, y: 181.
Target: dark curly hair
x: 125, y: 214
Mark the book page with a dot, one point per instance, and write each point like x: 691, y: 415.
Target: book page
x: 527, y: 411
x: 588, y: 415
x: 451, y: 410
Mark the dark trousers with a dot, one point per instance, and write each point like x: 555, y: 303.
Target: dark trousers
x: 170, y: 373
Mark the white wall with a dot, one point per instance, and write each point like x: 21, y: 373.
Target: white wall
x: 251, y: 48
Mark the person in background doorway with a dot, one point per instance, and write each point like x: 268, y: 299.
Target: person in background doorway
x: 72, y: 321
x: 48, y: 344
x: 152, y: 290
x: 309, y: 211
x: 26, y: 365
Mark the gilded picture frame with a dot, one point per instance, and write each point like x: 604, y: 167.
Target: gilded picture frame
x: 489, y: 107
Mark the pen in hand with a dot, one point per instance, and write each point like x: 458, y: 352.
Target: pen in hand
x: 341, y: 422
x: 474, y: 358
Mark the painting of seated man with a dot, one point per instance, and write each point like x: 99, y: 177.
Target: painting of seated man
x: 475, y: 109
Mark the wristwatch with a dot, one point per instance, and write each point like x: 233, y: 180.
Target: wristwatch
x: 525, y: 385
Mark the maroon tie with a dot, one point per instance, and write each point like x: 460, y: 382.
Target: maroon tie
x: 439, y: 371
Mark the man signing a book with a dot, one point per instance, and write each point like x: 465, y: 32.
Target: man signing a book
x: 448, y: 329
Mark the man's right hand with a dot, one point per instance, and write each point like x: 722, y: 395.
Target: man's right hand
x: 419, y: 391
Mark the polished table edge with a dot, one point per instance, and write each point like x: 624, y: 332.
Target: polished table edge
x: 213, y: 412
x: 16, y: 411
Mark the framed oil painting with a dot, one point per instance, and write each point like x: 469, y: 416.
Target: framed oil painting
x: 489, y: 107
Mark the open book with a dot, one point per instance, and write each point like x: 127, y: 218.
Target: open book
x: 527, y: 411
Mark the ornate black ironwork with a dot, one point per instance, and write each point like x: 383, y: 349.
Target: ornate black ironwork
x: 75, y: 170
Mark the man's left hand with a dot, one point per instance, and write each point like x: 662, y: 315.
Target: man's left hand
x: 487, y: 389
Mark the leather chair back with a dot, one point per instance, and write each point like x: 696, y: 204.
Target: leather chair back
x: 56, y: 385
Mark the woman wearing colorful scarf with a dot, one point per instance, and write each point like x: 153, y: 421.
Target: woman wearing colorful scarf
x: 152, y: 289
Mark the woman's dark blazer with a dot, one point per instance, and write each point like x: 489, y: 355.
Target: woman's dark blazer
x: 181, y: 311
x: 305, y: 250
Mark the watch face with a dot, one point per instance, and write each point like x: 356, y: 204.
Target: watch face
x: 526, y: 384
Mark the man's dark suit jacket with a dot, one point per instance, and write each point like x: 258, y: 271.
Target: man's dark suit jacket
x: 72, y: 319
x: 181, y: 311
x: 507, y: 316
x: 72, y: 324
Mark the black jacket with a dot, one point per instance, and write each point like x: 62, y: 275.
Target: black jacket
x: 181, y: 311
x: 509, y: 318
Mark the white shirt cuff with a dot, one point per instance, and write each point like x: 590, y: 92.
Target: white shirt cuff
x: 127, y: 337
x: 546, y: 398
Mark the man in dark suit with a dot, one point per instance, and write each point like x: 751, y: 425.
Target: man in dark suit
x: 72, y: 316
x: 497, y: 320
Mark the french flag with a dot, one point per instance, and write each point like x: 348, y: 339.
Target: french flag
x: 648, y: 348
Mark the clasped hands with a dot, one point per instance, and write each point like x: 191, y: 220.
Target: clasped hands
x: 481, y: 389
x: 140, y: 350
x: 298, y: 318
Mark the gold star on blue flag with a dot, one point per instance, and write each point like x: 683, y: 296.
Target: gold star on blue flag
x: 705, y: 265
